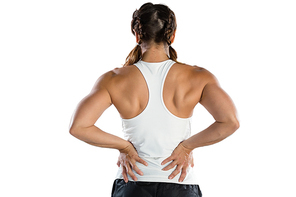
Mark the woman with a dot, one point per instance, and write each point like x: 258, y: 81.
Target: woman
x: 155, y: 96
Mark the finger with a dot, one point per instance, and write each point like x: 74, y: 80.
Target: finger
x: 192, y: 162
x: 183, y: 174
x: 170, y: 166
x: 130, y: 172
x: 118, y: 163
x: 170, y: 158
x: 142, y: 161
x: 124, y: 174
x: 175, y: 172
x: 137, y: 170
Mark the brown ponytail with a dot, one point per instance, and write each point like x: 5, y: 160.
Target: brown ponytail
x: 153, y: 23
x: 134, y: 56
x: 173, y: 54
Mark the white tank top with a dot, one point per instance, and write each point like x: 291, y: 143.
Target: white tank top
x: 156, y: 132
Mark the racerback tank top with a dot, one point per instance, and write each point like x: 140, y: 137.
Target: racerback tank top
x: 156, y: 132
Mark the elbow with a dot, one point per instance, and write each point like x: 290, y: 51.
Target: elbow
x: 236, y: 124
x: 78, y: 131
x: 72, y: 127
x: 73, y: 131
x: 230, y: 127
x: 233, y: 125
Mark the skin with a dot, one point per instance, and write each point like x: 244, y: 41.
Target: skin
x: 184, y: 87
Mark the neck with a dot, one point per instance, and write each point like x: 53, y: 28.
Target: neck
x: 154, y: 52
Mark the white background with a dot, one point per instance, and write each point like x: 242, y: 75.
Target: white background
x: 52, y: 52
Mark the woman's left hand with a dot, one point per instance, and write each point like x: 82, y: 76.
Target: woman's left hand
x: 127, y: 159
x: 181, y: 157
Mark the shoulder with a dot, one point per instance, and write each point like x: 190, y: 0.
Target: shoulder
x: 205, y: 74
x: 116, y: 75
x: 197, y: 74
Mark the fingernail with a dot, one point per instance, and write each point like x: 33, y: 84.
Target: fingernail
x: 170, y: 177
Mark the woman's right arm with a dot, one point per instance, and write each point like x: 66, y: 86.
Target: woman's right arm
x: 221, y: 107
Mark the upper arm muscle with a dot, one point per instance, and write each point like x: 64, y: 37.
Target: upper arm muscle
x: 92, y: 106
x: 217, y: 102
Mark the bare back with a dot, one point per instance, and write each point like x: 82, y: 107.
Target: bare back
x: 181, y: 92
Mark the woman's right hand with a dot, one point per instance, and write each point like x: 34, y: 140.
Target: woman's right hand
x: 180, y: 159
x: 127, y: 160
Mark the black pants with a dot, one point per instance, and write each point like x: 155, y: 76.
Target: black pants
x: 153, y: 189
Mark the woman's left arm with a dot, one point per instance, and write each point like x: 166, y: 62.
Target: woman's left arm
x: 82, y: 127
x: 87, y: 113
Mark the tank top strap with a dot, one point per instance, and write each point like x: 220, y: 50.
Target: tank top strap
x: 154, y: 73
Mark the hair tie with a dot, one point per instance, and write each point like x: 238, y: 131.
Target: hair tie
x: 139, y: 43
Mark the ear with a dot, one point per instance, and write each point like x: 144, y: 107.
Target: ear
x: 173, y: 37
x: 137, y: 36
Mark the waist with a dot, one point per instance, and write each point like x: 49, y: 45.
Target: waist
x: 154, y: 147
x: 154, y: 173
